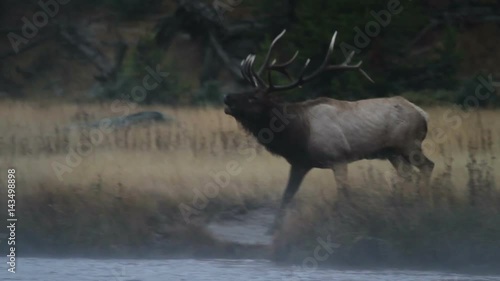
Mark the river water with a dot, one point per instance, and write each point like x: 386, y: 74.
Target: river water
x: 44, y: 269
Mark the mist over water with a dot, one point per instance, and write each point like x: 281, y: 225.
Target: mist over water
x: 44, y: 269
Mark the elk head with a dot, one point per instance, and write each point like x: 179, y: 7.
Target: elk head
x: 256, y: 104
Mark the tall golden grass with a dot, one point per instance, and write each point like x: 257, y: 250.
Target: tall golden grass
x: 127, y: 188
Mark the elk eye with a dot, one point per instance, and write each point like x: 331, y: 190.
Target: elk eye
x: 252, y: 99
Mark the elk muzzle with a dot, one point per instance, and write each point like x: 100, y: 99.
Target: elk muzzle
x: 229, y: 104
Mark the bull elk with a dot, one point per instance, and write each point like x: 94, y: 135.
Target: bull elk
x: 327, y: 133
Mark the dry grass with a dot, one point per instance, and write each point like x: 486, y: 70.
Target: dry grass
x: 128, y: 187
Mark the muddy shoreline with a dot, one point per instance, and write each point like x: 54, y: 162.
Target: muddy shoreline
x: 237, y: 236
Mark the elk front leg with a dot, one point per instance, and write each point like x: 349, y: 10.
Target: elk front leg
x: 402, y: 165
x: 295, y: 178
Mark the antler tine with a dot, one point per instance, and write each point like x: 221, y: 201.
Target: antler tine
x: 325, y: 61
x: 254, y: 77
x: 345, y: 65
x: 268, y: 55
x: 366, y: 75
x: 349, y: 58
x: 242, y: 70
x: 303, y: 79
x: 259, y: 82
x: 285, y: 64
x: 301, y: 76
x: 248, y: 71
x: 281, y: 68
x: 323, y: 67
x: 297, y: 82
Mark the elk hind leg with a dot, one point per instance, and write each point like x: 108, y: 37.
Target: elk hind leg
x: 402, y: 165
x: 424, y: 164
x: 340, y: 173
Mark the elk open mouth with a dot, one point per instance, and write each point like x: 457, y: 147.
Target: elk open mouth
x: 227, y: 110
x: 228, y: 105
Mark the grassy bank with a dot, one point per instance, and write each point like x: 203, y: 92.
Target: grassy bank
x: 122, y: 191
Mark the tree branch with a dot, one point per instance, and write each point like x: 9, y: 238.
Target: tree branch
x: 107, y: 69
x: 233, y: 68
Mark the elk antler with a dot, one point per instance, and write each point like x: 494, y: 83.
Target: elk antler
x: 254, y: 77
x: 247, y: 65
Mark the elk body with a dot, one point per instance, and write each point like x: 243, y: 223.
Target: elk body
x: 328, y: 133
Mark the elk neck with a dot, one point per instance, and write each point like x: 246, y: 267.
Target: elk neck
x: 283, y: 129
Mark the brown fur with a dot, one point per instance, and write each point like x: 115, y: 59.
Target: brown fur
x: 328, y: 133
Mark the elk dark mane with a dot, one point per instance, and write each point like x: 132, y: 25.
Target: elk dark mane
x: 281, y: 129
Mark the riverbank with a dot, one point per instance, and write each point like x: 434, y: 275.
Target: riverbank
x: 150, y: 191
